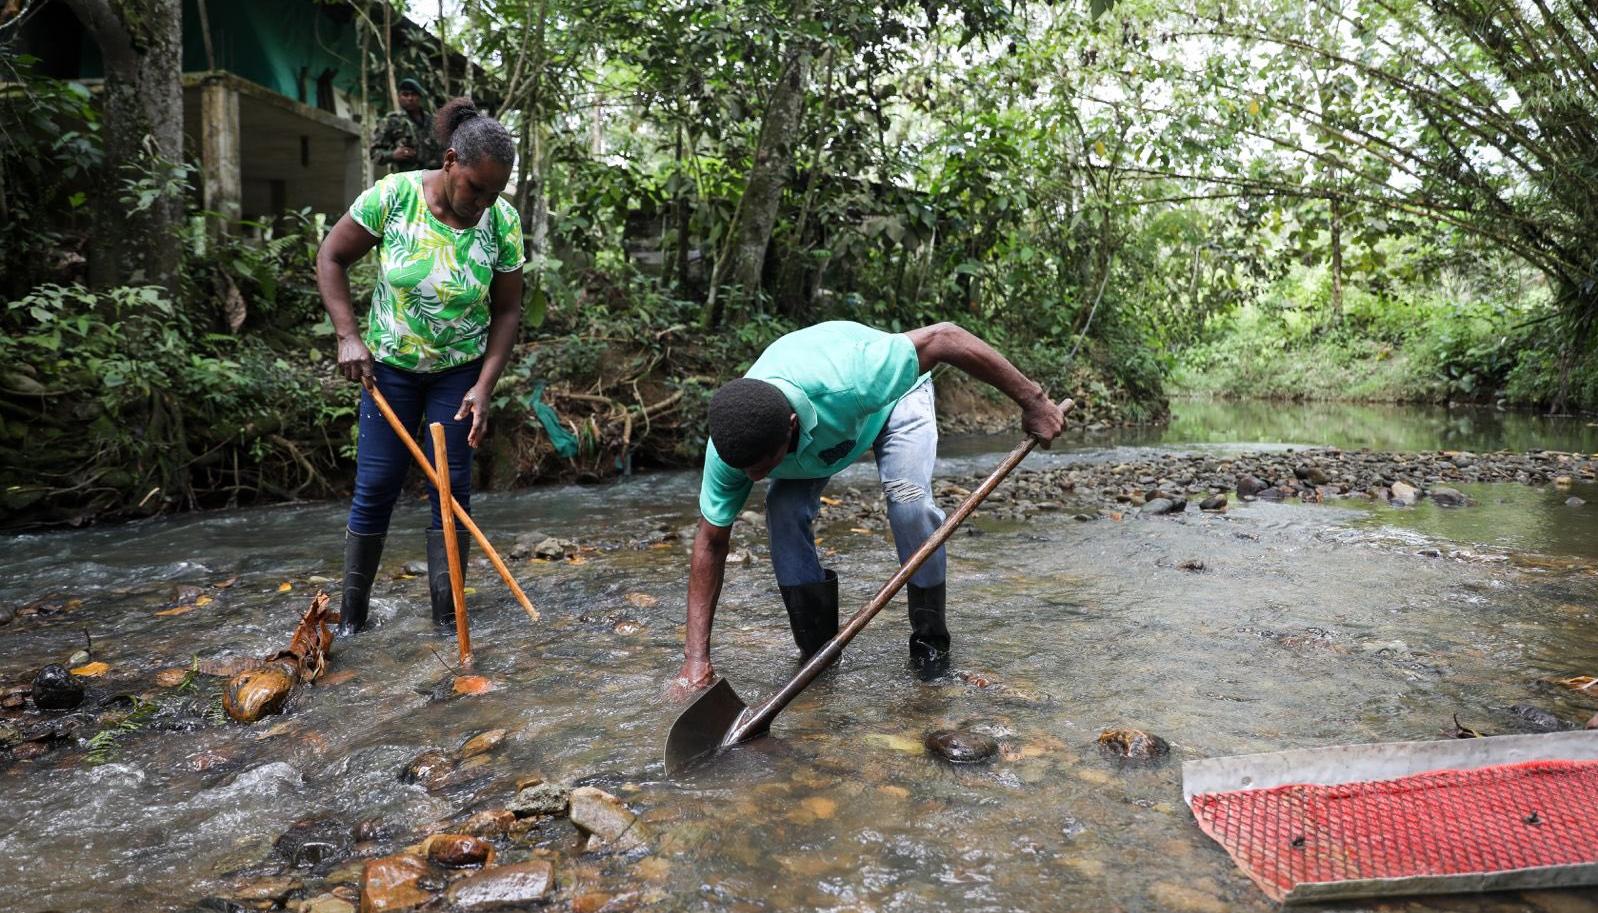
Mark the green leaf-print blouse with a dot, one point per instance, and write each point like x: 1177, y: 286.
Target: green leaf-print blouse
x: 430, y: 308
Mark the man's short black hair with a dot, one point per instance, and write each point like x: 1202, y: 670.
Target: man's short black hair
x: 410, y: 85
x: 749, y: 419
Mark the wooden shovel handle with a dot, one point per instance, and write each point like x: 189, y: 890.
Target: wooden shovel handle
x: 461, y: 516
x: 757, y: 720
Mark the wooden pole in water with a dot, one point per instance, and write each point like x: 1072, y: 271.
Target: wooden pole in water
x: 452, y: 545
x: 465, y: 519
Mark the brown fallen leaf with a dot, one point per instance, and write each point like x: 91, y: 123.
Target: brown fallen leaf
x: 201, y: 601
x: 642, y: 600
x: 830, y: 502
x: 226, y: 584
x: 175, y: 610
x: 285, y: 587
x: 577, y: 559
x: 1578, y: 682
x: 171, y: 678
x: 92, y: 670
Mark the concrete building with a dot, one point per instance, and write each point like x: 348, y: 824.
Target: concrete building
x: 272, y: 108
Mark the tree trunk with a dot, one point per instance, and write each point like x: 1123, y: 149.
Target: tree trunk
x: 1337, y: 261
x: 141, y: 42
x: 443, y: 48
x: 757, y: 209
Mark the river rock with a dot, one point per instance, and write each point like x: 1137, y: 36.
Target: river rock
x: 507, y: 885
x: 1249, y: 486
x: 1132, y: 744
x: 1539, y: 719
x: 1448, y: 497
x: 490, y: 822
x: 430, y: 769
x: 958, y: 746
x: 537, y: 799
x: 1311, y: 474
x: 1162, y: 506
x: 1271, y: 494
x: 1213, y: 502
x: 459, y: 851
x: 1404, y: 494
x: 483, y: 743
x: 314, y: 843
x: 416, y: 568
x: 393, y: 883
x: 327, y: 903
x: 256, y: 693
x: 54, y: 688
x: 605, y: 820
x: 1574, y: 501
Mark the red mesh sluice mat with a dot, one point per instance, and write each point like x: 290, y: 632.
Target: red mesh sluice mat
x: 1439, y: 823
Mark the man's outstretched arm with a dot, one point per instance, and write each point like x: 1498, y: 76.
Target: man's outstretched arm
x: 707, y: 570
x: 950, y: 344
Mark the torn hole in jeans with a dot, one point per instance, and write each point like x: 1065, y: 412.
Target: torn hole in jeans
x: 902, y: 491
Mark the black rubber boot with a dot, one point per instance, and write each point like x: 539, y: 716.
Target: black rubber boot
x: 812, y: 613
x: 438, y: 587
x: 361, y: 554
x: 929, y: 635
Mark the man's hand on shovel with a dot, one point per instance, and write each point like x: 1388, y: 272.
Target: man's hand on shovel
x: 1042, y: 418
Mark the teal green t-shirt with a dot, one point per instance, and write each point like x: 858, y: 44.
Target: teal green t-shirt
x: 842, y: 380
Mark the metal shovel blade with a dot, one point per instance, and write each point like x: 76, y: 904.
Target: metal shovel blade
x: 703, y: 726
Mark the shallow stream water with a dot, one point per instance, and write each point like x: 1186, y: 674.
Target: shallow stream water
x: 1310, y: 625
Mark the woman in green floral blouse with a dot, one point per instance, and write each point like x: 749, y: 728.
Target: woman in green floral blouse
x: 443, y: 318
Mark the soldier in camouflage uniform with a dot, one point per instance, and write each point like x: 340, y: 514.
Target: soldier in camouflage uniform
x: 405, y: 140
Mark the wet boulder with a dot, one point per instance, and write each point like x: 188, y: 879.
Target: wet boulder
x: 1448, y: 497
x: 1574, y: 501
x: 54, y: 688
x: 504, y: 886
x: 1311, y: 473
x: 459, y: 851
x: 1404, y: 495
x: 255, y: 693
x: 1133, y: 744
x: 1271, y: 494
x: 540, y: 799
x: 1249, y: 486
x: 959, y: 746
x: 604, y: 820
x: 1538, y: 719
x: 1214, y: 502
x: 395, y: 883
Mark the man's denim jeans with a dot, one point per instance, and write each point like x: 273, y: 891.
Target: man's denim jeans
x: 905, y: 450
x: 382, y: 460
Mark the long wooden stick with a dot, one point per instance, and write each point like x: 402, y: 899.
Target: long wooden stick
x: 462, y: 516
x: 452, y: 545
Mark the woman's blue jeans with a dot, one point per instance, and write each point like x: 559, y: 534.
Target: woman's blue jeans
x: 382, y: 460
x: 906, y: 450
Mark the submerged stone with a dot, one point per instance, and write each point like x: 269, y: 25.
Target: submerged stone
x: 54, y: 688
x: 1449, y: 497
x: 1133, y: 744
x: 459, y: 851
x: 257, y: 693
x: 393, y: 883
x: 483, y: 742
x: 960, y: 746
x: 429, y: 769
x: 605, y: 820
x: 1214, y: 502
x: 506, y: 885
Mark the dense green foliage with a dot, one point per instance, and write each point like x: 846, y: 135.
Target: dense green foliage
x: 1290, y: 198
